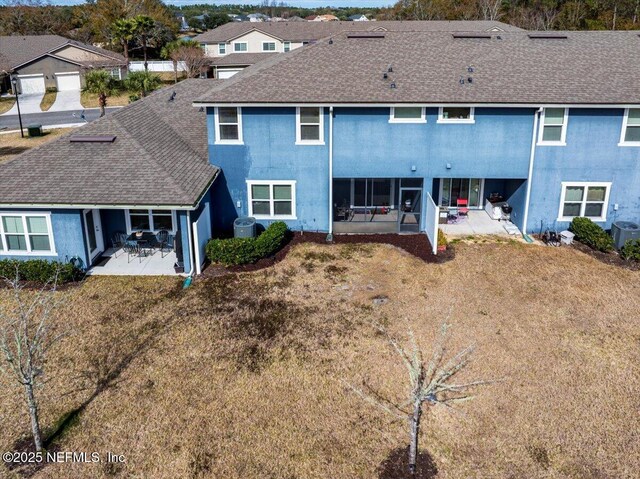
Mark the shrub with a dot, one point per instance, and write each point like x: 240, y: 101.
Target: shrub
x: 591, y: 234
x: 442, y: 239
x: 39, y: 270
x: 234, y: 251
x: 631, y: 250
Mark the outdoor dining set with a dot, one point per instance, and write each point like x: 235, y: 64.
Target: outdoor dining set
x: 143, y: 243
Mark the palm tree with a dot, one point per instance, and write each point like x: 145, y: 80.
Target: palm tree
x: 123, y: 31
x: 102, y: 83
x: 142, y: 82
x: 143, y: 27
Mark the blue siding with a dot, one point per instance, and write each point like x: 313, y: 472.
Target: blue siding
x: 112, y: 221
x: 183, y: 226
x: 203, y: 216
x: 592, y: 154
x: 68, y: 235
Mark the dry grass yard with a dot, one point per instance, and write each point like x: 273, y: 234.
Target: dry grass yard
x: 241, y: 376
x: 90, y: 100
x: 48, y: 99
x: 6, y: 103
x: 12, y: 144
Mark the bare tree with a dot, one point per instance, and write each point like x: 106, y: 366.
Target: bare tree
x: 191, y: 57
x: 26, y: 336
x: 430, y: 382
x: 490, y: 9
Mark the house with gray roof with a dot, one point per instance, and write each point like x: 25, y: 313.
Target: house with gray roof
x: 473, y: 132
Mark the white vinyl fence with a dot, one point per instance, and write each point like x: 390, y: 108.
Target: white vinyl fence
x: 156, y: 66
x: 431, y: 227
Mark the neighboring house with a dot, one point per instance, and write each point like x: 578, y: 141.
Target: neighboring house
x: 323, y: 18
x: 228, y: 65
x: 184, y: 26
x: 268, y: 37
x: 361, y: 123
x: 52, y: 61
x: 258, y: 17
x: 358, y: 18
x: 144, y: 167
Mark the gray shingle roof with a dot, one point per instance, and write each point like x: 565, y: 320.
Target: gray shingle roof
x: 16, y: 50
x: 240, y: 59
x: 596, y: 67
x: 309, y: 31
x: 158, y: 158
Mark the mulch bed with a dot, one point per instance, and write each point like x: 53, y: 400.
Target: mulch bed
x: 416, y: 244
x: 612, y: 259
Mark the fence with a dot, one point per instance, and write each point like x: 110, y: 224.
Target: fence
x: 156, y: 66
x: 433, y: 216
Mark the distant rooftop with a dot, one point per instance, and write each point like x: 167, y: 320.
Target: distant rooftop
x: 596, y: 67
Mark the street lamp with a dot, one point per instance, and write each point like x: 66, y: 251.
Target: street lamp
x: 14, y: 82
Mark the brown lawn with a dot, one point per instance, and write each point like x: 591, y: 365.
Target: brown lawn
x: 6, y: 103
x: 11, y: 144
x: 90, y: 100
x: 241, y: 376
x: 47, y: 100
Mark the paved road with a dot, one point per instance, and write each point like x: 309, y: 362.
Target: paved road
x: 46, y: 118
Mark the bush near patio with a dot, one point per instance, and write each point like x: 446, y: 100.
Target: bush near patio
x: 235, y: 251
x: 39, y: 271
x: 591, y: 234
x: 631, y: 250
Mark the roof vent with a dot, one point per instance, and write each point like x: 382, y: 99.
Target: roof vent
x: 92, y: 139
x: 551, y: 35
x: 471, y: 35
x: 365, y: 35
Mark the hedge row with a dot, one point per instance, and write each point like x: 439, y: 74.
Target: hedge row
x: 234, y: 251
x: 39, y: 270
x: 631, y: 250
x: 591, y: 234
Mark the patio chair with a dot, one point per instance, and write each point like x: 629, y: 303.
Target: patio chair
x: 162, y: 241
x: 453, y: 215
x: 132, y: 249
x: 117, y: 241
x: 463, y: 206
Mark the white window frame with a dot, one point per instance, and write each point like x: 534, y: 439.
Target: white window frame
x: 246, y: 50
x: 28, y: 252
x: 275, y: 46
x: 115, y: 69
x: 222, y: 48
x: 216, y: 121
x: 585, y: 185
x: 470, y: 120
x: 127, y: 218
x: 271, y: 183
x: 625, y: 125
x: 393, y: 119
x: 299, y: 140
x: 286, y: 47
x: 563, y: 134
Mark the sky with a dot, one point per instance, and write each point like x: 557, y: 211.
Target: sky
x: 292, y: 3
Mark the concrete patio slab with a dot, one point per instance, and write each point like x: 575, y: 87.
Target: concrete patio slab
x: 478, y: 222
x: 118, y: 263
x: 28, y: 104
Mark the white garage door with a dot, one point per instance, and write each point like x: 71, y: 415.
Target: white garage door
x: 30, y: 84
x: 224, y: 74
x: 68, y: 81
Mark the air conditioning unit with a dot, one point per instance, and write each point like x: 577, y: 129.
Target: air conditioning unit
x: 623, y: 231
x: 244, y: 227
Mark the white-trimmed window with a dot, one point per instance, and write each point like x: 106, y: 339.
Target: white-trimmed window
x: 150, y: 220
x: 240, y: 47
x: 553, y: 127
x: 630, y: 128
x: 272, y: 199
x: 456, y: 114
x: 228, y: 125
x: 268, y: 46
x: 286, y: 47
x: 407, y: 114
x: 26, y: 234
x: 222, y: 48
x: 309, y: 125
x: 115, y: 73
x: 587, y: 199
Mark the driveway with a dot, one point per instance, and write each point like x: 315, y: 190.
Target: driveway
x: 28, y: 104
x: 68, y: 100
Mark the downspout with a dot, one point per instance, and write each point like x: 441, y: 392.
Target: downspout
x: 190, y: 239
x: 330, y: 235
x: 532, y: 157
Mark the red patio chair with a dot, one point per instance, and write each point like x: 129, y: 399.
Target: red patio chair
x: 463, y: 206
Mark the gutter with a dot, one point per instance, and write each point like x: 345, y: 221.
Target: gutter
x: 532, y: 157
x: 330, y: 235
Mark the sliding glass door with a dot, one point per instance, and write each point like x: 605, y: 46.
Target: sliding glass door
x: 452, y: 189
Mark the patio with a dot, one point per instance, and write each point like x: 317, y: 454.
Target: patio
x: 118, y: 263
x: 478, y: 222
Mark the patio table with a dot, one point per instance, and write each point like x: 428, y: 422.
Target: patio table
x: 147, y: 240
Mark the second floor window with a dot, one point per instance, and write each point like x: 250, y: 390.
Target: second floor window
x: 456, y: 114
x: 309, y: 125
x: 222, y: 48
x: 631, y: 128
x: 553, y: 127
x: 407, y: 114
x: 228, y: 124
x: 268, y: 46
x: 240, y: 47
